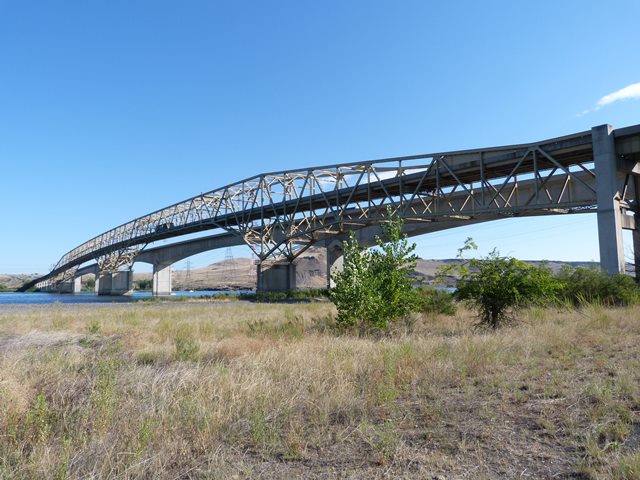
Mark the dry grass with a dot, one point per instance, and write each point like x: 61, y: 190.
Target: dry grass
x: 236, y: 390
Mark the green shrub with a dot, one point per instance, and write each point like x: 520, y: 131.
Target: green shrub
x: 437, y: 301
x: 375, y: 287
x: 144, y: 284
x: 582, y: 285
x: 499, y: 286
x: 89, y: 285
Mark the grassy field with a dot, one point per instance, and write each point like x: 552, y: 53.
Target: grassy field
x: 240, y: 390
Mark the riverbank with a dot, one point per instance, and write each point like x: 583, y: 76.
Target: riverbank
x: 216, y: 389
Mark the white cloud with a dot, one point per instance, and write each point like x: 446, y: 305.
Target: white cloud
x: 629, y: 92
x: 626, y: 93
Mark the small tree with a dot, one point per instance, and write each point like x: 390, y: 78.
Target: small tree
x: 374, y: 287
x: 498, y: 286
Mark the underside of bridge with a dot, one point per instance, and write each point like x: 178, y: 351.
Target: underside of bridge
x: 280, y: 215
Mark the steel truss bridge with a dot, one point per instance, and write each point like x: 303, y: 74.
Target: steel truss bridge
x: 281, y: 214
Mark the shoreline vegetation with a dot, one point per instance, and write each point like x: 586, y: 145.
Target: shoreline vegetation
x: 258, y: 390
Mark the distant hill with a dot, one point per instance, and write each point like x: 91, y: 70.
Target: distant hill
x: 240, y: 273
x: 230, y: 274
x: 10, y: 281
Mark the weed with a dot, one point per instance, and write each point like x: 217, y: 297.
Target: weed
x: 147, y: 358
x: 187, y: 346
x: 628, y: 467
x: 104, y: 393
x: 290, y: 328
x: 39, y: 419
x: 93, y: 327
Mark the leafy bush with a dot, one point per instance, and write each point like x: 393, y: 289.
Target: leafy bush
x: 582, y: 285
x: 89, y: 285
x: 437, y: 301
x: 144, y: 284
x: 374, y: 287
x: 498, y: 286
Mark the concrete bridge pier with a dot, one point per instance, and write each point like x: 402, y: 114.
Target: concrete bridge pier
x: 115, y: 283
x: 635, y: 235
x: 161, y: 279
x: 65, y: 287
x: 70, y: 286
x: 276, y: 277
x: 608, y: 197
x: 335, y: 261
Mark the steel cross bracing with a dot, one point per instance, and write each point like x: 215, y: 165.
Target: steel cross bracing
x: 281, y: 214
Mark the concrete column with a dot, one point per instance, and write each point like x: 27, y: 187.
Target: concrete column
x: 66, y: 287
x: 116, y: 283
x: 609, y: 213
x: 276, y: 277
x: 73, y: 285
x: 335, y: 261
x: 636, y: 247
x: 161, y: 279
x: 103, y: 283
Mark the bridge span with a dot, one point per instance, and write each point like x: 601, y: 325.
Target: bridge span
x: 281, y: 214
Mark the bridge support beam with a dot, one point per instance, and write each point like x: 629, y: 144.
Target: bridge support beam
x: 116, y: 283
x: 276, y: 277
x: 161, y: 279
x: 608, y: 198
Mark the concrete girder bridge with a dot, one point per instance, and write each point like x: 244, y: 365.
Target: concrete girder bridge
x: 279, y: 215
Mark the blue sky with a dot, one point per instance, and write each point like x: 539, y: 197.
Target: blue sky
x: 110, y: 110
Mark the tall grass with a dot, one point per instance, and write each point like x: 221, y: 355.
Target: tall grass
x: 261, y: 390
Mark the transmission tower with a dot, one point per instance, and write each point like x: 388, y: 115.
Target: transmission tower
x: 187, y: 277
x: 252, y: 270
x: 228, y: 272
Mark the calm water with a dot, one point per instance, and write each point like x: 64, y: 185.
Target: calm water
x: 7, y: 298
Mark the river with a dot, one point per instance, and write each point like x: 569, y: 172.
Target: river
x: 38, y: 298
